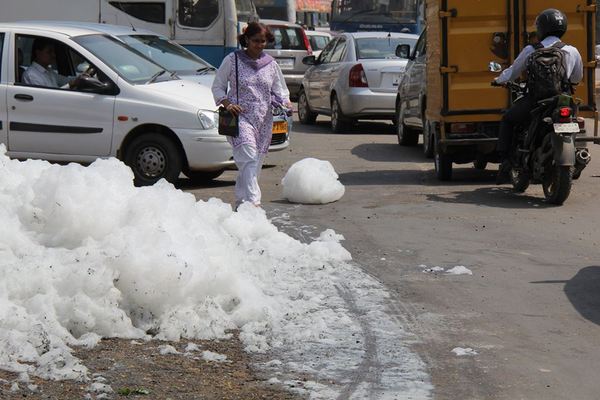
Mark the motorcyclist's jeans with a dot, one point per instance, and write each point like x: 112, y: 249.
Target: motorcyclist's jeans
x: 519, y: 113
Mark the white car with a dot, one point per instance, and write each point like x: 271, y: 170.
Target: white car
x: 173, y: 57
x: 318, y: 40
x: 131, y: 108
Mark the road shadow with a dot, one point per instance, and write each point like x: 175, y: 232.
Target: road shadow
x: 583, y: 291
x: 189, y: 184
x: 390, y: 152
x: 360, y: 128
x: 499, y: 197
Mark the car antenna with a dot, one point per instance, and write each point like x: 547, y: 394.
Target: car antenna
x: 120, y: 3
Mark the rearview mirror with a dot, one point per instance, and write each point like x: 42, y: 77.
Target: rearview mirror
x: 403, y: 51
x: 494, y: 67
x: 309, y: 60
x: 90, y: 84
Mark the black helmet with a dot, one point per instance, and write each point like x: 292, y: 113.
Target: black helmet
x: 551, y: 22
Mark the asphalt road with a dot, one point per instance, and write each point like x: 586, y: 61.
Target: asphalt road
x: 531, y: 309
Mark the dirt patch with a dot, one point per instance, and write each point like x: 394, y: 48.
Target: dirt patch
x: 136, y: 369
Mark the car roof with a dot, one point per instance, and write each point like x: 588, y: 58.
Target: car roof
x: 378, y: 34
x: 75, y: 28
x: 278, y: 22
x: 49, y: 26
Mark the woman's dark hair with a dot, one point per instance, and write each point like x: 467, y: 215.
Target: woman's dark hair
x: 252, y: 29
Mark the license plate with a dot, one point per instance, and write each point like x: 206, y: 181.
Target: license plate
x: 571, y: 127
x: 285, y: 63
x: 280, y: 127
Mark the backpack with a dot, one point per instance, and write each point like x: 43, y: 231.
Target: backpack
x: 546, y: 72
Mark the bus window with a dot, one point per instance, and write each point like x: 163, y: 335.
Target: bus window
x: 198, y: 13
x: 148, y: 11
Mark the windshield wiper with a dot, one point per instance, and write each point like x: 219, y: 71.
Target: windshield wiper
x: 204, y: 70
x: 155, y: 76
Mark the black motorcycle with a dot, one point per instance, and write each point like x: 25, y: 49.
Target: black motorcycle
x: 545, y: 151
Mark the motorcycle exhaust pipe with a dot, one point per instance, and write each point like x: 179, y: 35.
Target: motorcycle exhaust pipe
x: 583, y: 156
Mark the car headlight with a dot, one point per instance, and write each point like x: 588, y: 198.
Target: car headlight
x: 208, y: 119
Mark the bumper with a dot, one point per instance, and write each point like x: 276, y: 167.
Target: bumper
x: 365, y: 103
x: 205, y: 150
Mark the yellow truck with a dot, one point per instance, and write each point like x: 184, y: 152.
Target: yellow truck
x: 463, y: 111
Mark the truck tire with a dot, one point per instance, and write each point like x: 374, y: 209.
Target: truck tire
x: 153, y: 156
x: 428, y: 138
x: 442, y: 162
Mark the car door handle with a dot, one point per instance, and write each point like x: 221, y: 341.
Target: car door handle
x: 23, y: 97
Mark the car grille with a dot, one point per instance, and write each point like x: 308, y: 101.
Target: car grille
x: 278, y: 138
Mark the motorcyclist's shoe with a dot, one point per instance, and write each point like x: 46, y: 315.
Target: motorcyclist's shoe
x: 503, y: 176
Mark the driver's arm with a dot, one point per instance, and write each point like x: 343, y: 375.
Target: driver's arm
x: 517, y: 68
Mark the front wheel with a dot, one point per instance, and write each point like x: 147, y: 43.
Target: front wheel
x: 406, y: 136
x: 305, y: 114
x: 557, y: 183
x: 153, y: 156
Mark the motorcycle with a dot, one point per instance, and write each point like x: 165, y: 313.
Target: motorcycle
x: 545, y: 150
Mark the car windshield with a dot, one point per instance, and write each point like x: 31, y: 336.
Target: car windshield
x: 129, y: 64
x: 380, y: 47
x: 169, y: 55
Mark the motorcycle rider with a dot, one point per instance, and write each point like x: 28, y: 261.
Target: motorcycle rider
x: 551, y: 25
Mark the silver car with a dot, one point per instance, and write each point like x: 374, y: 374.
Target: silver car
x: 355, y: 77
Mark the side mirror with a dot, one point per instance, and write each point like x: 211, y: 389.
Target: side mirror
x: 403, y: 51
x: 90, y: 84
x: 494, y: 67
x: 309, y: 60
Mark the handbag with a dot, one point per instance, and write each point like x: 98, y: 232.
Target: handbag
x: 229, y: 123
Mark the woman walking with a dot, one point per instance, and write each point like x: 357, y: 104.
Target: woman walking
x: 259, y: 86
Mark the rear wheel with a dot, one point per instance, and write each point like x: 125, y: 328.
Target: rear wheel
x: 406, y: 135
x: 305, y: 115
x: 339, y: 123
x: 557, y: 183
x: 443, y: 163
x: 153, y: 156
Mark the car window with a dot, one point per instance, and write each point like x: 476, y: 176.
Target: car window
x: 421, y: 47
x: 198, y: 13
x: 339, y: 51
x: 381, y: 47
x: 286, y: 38
x: 146, y: 11
x: 318, y: 42
x: 128, y: 63
x: 61, y: 65
x: 169, y: 55
x: 325, y: 55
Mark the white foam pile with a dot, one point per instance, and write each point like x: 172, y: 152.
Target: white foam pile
x: 84, y: 255
x: 312, y: 181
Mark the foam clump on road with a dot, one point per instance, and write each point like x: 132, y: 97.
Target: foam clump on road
x: 312, y: 181
x: 85, y: 255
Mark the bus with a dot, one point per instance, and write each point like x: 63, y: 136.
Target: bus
x: 311, y: 13
x: 377, y: 15
x: 209, y: 28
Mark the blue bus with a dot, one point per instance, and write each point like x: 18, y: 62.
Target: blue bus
x: 377, y: 15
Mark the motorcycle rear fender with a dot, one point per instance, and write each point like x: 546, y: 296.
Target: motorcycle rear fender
x: 564, y: 149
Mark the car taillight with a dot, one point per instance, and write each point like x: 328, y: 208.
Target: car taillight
x: 565, y: 112
x: 462, y: 127
x: 358, y: 78
x: 306, y: 42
